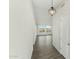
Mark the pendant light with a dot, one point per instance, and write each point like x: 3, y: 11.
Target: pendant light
x: 51, y: 11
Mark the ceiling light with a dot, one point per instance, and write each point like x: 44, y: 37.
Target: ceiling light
x: 51, y: 11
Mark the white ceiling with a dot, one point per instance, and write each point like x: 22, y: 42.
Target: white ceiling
x: 42, y: 3
x: 45, y: 3
x: 41, y: 10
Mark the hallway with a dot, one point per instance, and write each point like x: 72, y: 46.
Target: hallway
x: 43, y: 49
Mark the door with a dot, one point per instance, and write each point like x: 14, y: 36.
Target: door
x: 60, y: 30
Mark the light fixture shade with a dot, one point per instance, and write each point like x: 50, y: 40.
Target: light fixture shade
x: 51, y: 11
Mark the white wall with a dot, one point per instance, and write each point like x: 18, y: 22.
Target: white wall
x: 60, y: 30
x: 22, y: 27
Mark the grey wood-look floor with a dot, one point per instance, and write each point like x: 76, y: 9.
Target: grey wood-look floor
x: 43, y: 49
